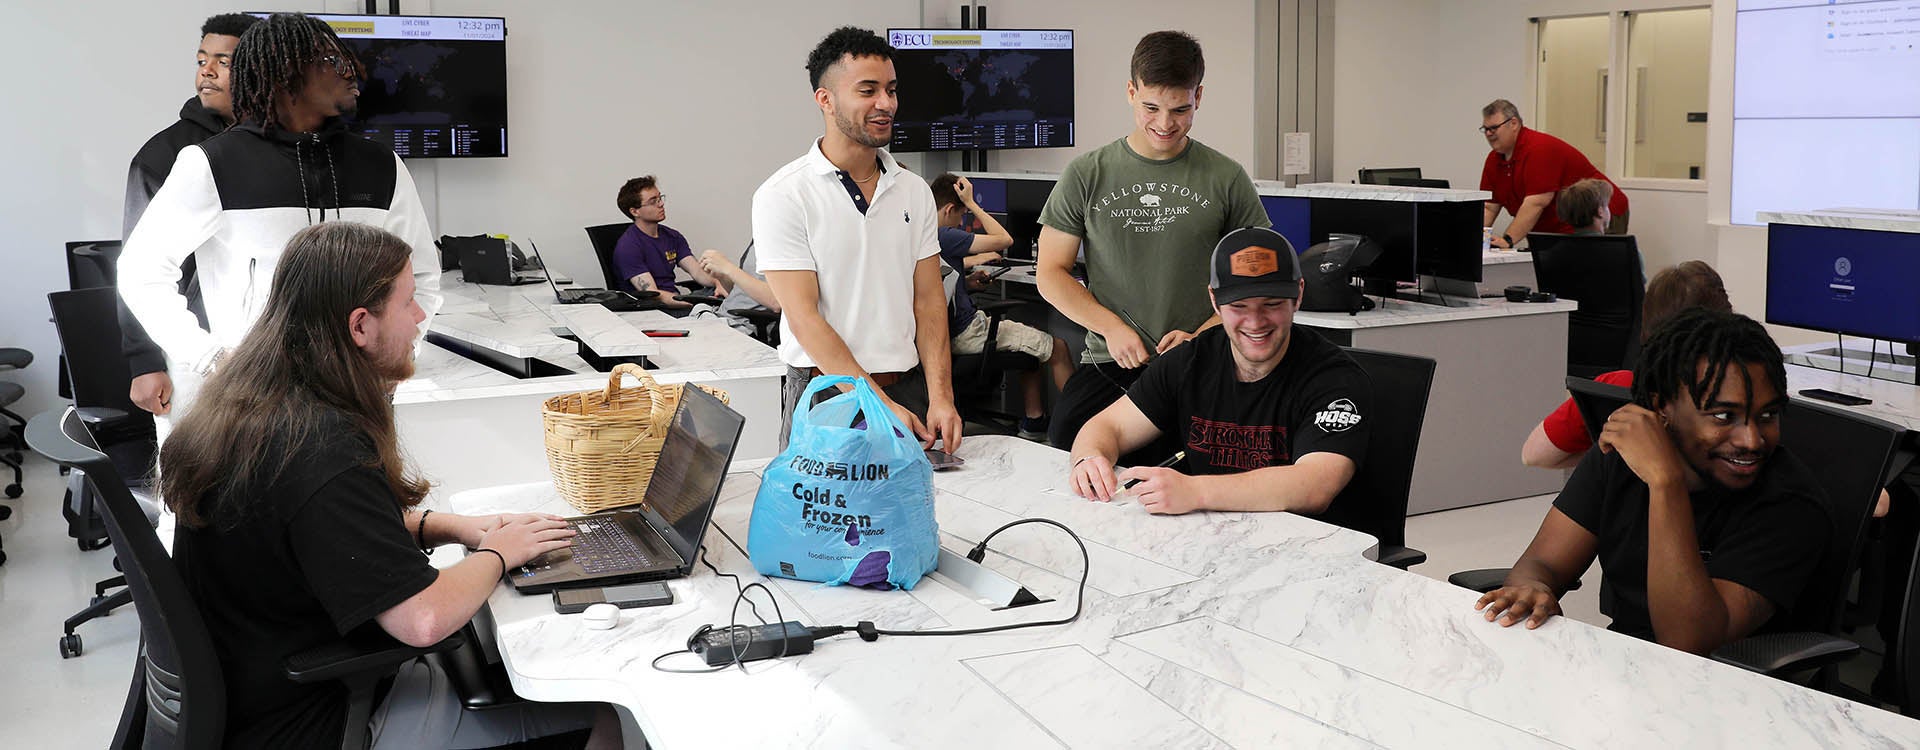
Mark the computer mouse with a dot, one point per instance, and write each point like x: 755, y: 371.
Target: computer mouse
x: 602, y: 616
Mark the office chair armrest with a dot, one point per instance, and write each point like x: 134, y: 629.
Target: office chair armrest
x: 758, y: 315
x: 479, y: 683
x: 1780, y: 654
x: 347, y: 658
x: 1400, y: 557
x: 95, y: 416
x: 1488, y: 579
x: 689, y: 285
x: 700, y: 299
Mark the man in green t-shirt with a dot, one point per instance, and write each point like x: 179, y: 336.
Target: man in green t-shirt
x: 1147, y: 209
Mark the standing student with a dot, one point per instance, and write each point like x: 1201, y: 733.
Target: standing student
x: 847, y: 240
x: 1146, y: 210
x: 1525, y: 168
x: 232, y: 201
x: 209, y: 111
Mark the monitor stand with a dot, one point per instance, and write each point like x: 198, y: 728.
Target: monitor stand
x: 1885, y: 365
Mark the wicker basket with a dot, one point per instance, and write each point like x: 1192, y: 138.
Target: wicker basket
x: 602, y: 445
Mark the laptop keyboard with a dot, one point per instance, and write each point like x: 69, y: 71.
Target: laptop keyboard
x: 602, y: 545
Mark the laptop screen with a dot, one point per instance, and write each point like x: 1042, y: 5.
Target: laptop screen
x: 693, y: 461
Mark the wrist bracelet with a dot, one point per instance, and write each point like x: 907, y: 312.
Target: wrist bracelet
x: 496, y: 553
x: 420, y: 531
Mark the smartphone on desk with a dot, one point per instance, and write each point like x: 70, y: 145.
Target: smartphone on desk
x: 942, y: 459
x: 573, y: 601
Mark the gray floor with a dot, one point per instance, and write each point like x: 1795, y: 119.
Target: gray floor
x: 49, y: 702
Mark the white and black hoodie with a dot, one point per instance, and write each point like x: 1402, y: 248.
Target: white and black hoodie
x: 232, y: 203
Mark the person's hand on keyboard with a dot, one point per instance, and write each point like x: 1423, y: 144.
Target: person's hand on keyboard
x: 478, y: 526
x: 520, y: 539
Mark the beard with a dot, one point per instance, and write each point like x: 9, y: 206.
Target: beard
x: 857, y: 132
x: 397, y: 365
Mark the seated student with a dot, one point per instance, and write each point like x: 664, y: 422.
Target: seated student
x: 1270, y: 414
x: 1561, y: 439
x: 1583, y: 206
x: 1703, y: 525
x: 964, y: 251
x: 646, y: 255
x: 742, y: 289
x: 298, y: 519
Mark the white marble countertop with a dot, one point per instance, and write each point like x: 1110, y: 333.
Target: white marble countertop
x: 1895, y: 402
x: 1498, y: 257
x: 1401, y: 312
x: 710, y: 351
x: 1205, y: 630
x: 1880, y: 219
x: 1371, y: 192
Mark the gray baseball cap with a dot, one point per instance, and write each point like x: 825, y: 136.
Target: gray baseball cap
x: 1254, y: 262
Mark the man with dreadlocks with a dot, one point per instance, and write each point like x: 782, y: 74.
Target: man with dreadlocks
x: 207, y: 113
x: 232, y: 201
x: 1703, y: 525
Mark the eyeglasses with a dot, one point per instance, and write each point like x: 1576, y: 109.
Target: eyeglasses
x: 658, y: 200
x: 1489, y: 129
x: 345, y: 67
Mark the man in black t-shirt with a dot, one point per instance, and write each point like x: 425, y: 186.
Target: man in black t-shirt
x: 303, y: 528
x: 1704, y: 527
x: 1270, y: 415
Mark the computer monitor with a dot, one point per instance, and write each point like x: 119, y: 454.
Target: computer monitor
x: 1449, y: 238
x: 1381, y: 176
x: 434, y: 86
x: 990, y: 193
x: 1292, y: 218
x: 1418, y: 182
x: 1851, y: 281
x: 983, y: 89
x: 1393, y: 225
x: 1025, y: 200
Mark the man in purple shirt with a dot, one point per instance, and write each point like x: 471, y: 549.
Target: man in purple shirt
x: 646, y: 255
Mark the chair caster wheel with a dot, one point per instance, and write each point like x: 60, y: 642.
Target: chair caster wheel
x: 13, y: 491
x: 5, y: 512
x: 69, y: 645
x: 3, y: 558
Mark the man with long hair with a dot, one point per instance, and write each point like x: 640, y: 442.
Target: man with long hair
x: 232, y: 201
x: 1704, y: 525
x: 299, y: 522
x: 208, y: 112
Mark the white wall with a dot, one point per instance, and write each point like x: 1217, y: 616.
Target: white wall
x: 1412, y: 75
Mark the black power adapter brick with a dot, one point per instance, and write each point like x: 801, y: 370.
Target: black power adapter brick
x: 721, y: 646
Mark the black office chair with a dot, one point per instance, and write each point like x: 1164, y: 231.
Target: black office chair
x: 178, y: 695
x: 87, y: 322
x: 12, y: 358
x: 1906, y: 652
x: 977, y: 377
x: 1602, y: 273
x: 1376, y: 498
x: 604, y: 237
x: 1852, y: 455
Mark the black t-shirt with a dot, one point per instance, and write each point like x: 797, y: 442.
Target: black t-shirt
x: 320, y: 552
x: 1312, y: 402
x: 1768, y: 537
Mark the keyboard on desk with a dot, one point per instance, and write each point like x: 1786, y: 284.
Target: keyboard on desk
x: 602, y: 545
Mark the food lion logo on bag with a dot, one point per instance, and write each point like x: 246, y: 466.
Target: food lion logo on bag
x: 1339, y: 416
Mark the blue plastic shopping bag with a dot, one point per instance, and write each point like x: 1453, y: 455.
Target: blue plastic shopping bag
x: 850, y: 501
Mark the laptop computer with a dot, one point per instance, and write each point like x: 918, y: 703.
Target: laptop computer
x: 486, y: 260
x: 660, y: 538
x: 614, y: 300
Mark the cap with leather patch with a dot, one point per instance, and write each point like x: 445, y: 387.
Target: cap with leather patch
x: 1254, y: 262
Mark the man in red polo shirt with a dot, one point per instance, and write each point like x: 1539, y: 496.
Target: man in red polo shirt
x: 1524, y: 171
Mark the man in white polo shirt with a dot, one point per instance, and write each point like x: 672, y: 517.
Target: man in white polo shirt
x: 848, y: 241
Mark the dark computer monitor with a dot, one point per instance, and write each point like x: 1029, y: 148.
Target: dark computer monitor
x: 434, y: 86
x: 1381, y: 176
x: 1025, y: 200
x: 1418, y: 182
x: 1292, y: 218
x: 983, y: 89
x: 1449, y: 238
x: 1850, y: 281
x: 1393, y: 225
x: 990, y: 193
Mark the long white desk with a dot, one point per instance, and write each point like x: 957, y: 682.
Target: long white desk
x: 467, y: 425
x: 1205, y: 630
